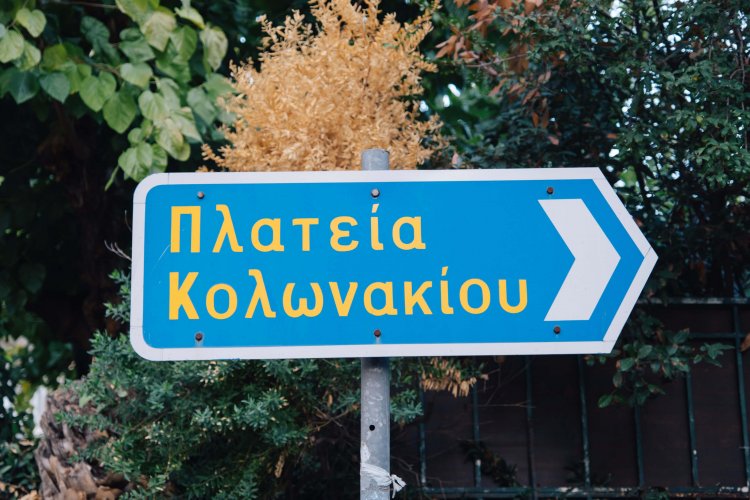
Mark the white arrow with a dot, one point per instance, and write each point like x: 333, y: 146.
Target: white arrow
x: 595, y: 260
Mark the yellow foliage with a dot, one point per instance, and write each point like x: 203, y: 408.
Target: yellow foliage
x: 324, y: 94
x: 445, y: 375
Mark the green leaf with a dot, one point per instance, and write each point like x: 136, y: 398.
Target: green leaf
x: 217, y: 86
x: 33, y: 21
x: 56, y: 58
x: 158, y: 28
x: 168, y: 63
x: 644, y: 351
x: 75, y: 52
x: 137, y: 10
x: 56, y: 85
x: 214, y: 46
x: 3, y: 31
x: 31, y: 276
x: 84, y: 399
x: 128, y: 162
x: 30, y: 58
x: 170, y: 138
x: 119, y: 111
x: 136, y: 135
x: 605, y: 400
x: 715, y: 350
x: 11, y: 46
x: 145, y: 153
x: 76, y: 75
x: 138, y: 74
x: 131, y: 165
x: 140, y: 160
x: 201, y: 105
x: 160, y: 159
x: 681, y: 336
x: 98, y: 35
x: 186, y: 123
x: 22, y: 85
x: 131, y: 35
x: 153, y: 106
x: 171, y: 92
x: 95, y: 32
x: 95, y: 91
x: 190, y: 14
x: 626, y: 364
x: 134, y: 46
x: 185, y: 41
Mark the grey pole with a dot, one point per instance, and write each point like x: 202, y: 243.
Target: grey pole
x: 375, y: 424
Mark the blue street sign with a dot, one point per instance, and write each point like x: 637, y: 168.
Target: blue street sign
x: 394, y: 263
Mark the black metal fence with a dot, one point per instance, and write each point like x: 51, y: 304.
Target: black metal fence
x: 539, y: 424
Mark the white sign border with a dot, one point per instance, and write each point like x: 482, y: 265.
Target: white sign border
x: 379, y: 350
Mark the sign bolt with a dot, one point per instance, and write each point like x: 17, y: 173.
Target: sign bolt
x: 550, y: 190
x: 377, y: 333
x: 201, y: 194
x: 198, y: 337
x: 375, y: 192
x: 556, y: 329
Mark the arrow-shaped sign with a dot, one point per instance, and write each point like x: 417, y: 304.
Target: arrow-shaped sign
x: 331, y: 264
x: 595, y: 260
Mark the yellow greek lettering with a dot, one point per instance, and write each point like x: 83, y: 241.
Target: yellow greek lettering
x: 522, y: 297
x: 343, y: 306
x: 275, y: 245
x: 374, y: 229
x: 226, y: 231
x: 337, y: 234
x: 303, y: 309
x: 387, y: 289
x: 195, y: 228
x: 416, y: 225
x: 259, y: 295
x: 464, y: 296
x: 179, y: 296
x: 305, y: 223
x: 211, y: 301
x: 445, y: 306
x: 412, y: 298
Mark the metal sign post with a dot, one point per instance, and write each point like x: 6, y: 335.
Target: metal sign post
x: 375, y: 423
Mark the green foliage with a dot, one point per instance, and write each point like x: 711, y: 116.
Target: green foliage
x: 158, y: 53
x: 119, y: 310
x: 226, y: 429
x: 68, y: 132
x: 657, y: 96
x: 70, y: 78
x: 654, y: 98
x: 651, y: 354
x: 18, y: 470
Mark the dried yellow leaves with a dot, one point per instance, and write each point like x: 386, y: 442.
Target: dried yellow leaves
x: 445, y: 375
x: 324, y: 95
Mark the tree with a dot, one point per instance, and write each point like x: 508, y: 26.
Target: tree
x: 655, y: 94
x: 87, y: 91
x: 324, y: 94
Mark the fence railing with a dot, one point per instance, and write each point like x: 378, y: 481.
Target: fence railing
x: 585, y: 486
